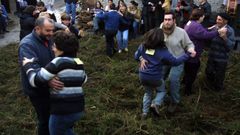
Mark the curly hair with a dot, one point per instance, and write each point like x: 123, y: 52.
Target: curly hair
x: 66, y: 42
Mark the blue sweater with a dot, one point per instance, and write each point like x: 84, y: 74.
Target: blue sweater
x: 111, y: 19
x: 156, y: 59
x: 32, y: 46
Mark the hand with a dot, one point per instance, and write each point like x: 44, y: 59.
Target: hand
x: 26, y: 60
x: 209, y: 28
x: 56, y: 84
x: 67, y: 30
x: 223, y: 32
x: 143, y: 64
x: 192, y: 51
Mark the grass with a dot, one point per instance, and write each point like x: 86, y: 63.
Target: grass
x: 114, y: 98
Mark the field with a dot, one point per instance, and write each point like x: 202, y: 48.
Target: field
x: 114, y: 98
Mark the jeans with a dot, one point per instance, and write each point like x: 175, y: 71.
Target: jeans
x: 71, y: 8
x: 63, y: 124
x: 174, y: 74
x: 147, y: 98
x: 42, y: 108
x: 109, y: 35
x: 122, y: 39
x: 95, y: 23
x: 135, y: 29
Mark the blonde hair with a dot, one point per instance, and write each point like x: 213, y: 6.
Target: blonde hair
x: 44, y: 14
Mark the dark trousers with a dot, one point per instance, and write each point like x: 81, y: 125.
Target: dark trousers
x: 215, y: 73
x: 3, y: 24
x: 149, y: 22
x: 42, y: 108
x: 190, y: 74
x: 109, y: 35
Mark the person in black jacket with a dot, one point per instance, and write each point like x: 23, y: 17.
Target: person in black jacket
x: 150, y: 12
x: 27, y: 21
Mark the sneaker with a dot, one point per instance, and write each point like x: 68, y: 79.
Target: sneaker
x: 172, y: 107
x: 154, y: 109
x: 119, y: 51
x: 143, y: 116
x: 126, y: 49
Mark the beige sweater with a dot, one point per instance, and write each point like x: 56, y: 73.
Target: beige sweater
x: 178, y: 42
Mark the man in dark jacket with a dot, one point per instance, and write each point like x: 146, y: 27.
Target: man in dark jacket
x: 38, y: 44
x: 219, y: 53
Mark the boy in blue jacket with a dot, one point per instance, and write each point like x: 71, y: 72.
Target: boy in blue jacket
x: 112, y: 20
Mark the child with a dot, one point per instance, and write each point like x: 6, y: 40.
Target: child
x: 66, y: 20
x: 67, y: 104
x: 154, y: 51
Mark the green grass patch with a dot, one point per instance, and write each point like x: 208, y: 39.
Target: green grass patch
x: 114, y: 98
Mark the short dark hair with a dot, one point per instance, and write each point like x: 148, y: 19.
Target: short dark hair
x: 154, y: 39
x: 134, y: 3
x: 40, y: 4
x: 170, y: 13
x: 196, y: 14
x: 66, y: 42
x: 112, y: 6
x: 29, y: 9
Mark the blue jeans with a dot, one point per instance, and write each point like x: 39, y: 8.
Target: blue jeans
x: 174, y: 74
x: 122, y: 39
x: 71, y: 9
x: 147, y: 98
x: 95, y: 23
x: 135, y: 29
x: 63, y: 124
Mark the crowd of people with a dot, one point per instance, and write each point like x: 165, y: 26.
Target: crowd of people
x: 176, y: 33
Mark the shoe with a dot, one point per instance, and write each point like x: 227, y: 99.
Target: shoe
x: 154, y: 109
x: 126, y: 49
x: 119, y: 51
x: 143, y: 116
x: 6, y: 31
x: 172, y: 107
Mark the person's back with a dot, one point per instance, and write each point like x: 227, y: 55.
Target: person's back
x: 111, y: 19
x: 27, y: 21
x: 157, y: 58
